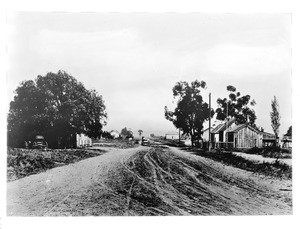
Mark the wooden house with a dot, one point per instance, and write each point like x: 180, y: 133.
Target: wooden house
x: 244, y: 136
x: 231, y: 135
x: 218, y: 134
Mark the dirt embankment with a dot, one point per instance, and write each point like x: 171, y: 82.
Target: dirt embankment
x: 25, y: 162
x: 148, y: 181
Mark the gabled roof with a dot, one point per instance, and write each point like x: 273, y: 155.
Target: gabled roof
x: 241, y: 126
x: 222, y: 127
x: 172, y: 133
x: 238, y: 127
x: 206, y: 129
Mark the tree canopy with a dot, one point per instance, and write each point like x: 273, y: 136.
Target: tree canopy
x: 140, y: 132
x: 126, y: 133
x: 191, y: 110
x: 57, y: 106
x: 275, y: 116
x: 236, y: 106
x: 289, y: 132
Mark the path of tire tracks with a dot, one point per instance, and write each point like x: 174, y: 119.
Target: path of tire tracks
x: 147, y: 181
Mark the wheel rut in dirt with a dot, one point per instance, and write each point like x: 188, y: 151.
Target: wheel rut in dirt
x: 157, y: 180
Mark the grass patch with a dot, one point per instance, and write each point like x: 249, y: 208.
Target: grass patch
x: 271, y: 152
x: 25, y: 162
x: 275, y: 169
x: 117, y: 143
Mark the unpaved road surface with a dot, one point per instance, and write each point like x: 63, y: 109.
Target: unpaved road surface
x: 154, y: 180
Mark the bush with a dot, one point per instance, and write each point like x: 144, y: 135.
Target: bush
x: 254, y: 150
x: 270, y: 151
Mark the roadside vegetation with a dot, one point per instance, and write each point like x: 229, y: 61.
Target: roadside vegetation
x: 271, y: 152
x: 24, y: 162
x: 116, y: 143
x: 275, y: 169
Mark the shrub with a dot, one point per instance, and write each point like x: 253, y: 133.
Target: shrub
x: 270, y: 151
x: 254, y: 150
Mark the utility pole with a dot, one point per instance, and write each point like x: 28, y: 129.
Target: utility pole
x: 226, y: 126
x: 209, y: 121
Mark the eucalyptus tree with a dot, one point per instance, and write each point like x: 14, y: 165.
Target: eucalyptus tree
x: 191, y: 110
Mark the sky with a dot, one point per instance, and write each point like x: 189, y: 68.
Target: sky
x: 134, y: 59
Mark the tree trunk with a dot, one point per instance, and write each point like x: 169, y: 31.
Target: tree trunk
x: 192, y: 139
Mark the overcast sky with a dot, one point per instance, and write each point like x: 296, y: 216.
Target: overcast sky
x: 134, y: 60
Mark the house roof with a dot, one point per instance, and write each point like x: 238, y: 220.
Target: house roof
x: 241, y: 126
x: 238, y: 127
x: 286, y: 138
x: 268, y: 135
x: 172, y: 133
x: 222, y: 127
x: 207, y: 129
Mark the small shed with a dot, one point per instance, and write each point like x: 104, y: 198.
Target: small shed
x: 82, y: 140
x: 172, y: 135
x: 245, y: 136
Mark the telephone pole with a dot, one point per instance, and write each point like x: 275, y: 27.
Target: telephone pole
x: 209, y: 134
x: 226, y: 135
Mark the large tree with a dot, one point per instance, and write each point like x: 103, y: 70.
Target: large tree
x: 56, y: 106
x: 275, y: 116
x: 191, y: 110
x: 236, y: 106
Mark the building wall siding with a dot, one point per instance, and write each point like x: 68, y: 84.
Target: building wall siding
x: 172, y: 136
x: 247, y: 138
x: 83, y: 140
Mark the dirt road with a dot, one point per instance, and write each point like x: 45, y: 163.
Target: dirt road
x: 148, y: 181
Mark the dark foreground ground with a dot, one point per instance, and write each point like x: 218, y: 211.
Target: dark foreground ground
x: 155, y: 180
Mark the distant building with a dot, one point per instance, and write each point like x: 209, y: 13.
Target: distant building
x: 82, y: 140
x: 115, y: 134
x: 286, y: 141
x: 172, y: 135
x: 268, y: 139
